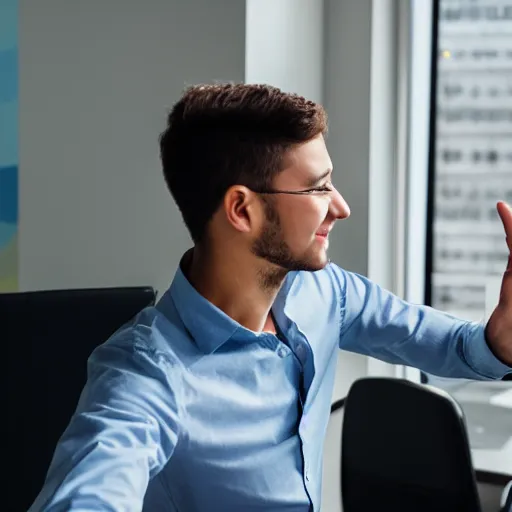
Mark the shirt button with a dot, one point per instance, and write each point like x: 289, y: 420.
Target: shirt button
x: 282, y: 352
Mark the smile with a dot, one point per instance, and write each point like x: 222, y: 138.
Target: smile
x: 322, y: 233
x: 323, y: 238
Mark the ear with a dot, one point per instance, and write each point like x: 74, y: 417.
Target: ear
x: 241, y: 208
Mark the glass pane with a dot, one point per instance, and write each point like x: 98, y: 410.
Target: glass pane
x: 473, y: 164
x: 472, y: 170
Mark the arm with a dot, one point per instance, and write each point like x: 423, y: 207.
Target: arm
x: 123, y: 432
x: 375, y: 322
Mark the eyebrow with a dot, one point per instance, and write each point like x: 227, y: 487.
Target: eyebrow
x: 317, y: 179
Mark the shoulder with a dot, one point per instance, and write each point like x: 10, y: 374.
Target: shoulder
x: 147, y: 340
x: 135, y: 366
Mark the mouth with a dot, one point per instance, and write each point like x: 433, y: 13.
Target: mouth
x: 322, y: 235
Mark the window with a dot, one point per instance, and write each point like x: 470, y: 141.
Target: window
x: 470, y: 169
x: 471, y: 166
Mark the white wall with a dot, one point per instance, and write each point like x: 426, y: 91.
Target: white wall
x: 96, y: 80
x: 285, y: 45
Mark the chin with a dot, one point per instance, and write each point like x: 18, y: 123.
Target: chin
x: 317, y: 262
x: 322, y: 264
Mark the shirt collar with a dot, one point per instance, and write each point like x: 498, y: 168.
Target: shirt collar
x: 208, y: 325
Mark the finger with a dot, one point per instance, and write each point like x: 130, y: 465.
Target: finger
x: 505, y: 213
x: 506, y: 285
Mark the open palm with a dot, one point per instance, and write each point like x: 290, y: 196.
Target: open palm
x: 499, y: 327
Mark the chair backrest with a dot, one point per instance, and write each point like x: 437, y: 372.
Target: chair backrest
x: 49, y: 336
x: 405, y: 448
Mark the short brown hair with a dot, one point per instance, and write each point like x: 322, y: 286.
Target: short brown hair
x: 222, y: 135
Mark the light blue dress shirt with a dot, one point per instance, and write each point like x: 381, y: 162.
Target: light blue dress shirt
x: 186, y: 410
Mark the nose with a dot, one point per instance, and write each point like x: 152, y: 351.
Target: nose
x: 339, y: 208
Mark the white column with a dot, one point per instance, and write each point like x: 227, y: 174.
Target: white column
x: 284, y: 45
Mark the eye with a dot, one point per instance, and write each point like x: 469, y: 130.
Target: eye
x: 322, y: 189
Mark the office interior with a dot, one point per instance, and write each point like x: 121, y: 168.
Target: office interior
x: 419, y: 99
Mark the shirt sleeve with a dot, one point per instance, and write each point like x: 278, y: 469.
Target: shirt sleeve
x: 123, y: 432
x: 376, y: 323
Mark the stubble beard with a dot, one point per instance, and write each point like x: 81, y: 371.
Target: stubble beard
x: 272, y: 247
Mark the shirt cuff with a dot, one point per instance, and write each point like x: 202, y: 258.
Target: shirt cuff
x: 479, y: 356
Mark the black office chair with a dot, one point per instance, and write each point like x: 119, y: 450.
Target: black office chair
x: 48, y: 337
x: 405, y: 448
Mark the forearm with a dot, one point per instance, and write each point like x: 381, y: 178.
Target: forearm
x: 379, y: 324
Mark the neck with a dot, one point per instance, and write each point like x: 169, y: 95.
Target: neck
x: 242, y: 287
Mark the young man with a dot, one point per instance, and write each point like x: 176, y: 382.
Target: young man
x: 218, y: 398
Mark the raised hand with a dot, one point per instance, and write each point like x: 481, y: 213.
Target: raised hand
x: 499, y: 327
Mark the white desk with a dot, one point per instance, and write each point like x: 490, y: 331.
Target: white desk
x: 488, y: 413
x: 494, y: 461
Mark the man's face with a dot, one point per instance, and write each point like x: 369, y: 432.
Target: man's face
x: 296, y: 232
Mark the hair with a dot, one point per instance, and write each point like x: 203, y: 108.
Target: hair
x: 222, y: 135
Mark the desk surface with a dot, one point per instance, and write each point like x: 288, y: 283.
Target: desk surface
x: 488, y: 412
x: 494, y: 461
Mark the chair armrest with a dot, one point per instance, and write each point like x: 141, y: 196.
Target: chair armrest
x: 338, y: 404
